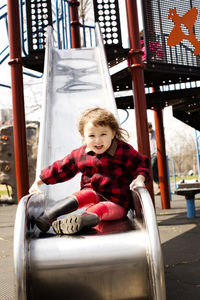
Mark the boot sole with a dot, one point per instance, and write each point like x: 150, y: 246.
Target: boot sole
x: 70, y: 225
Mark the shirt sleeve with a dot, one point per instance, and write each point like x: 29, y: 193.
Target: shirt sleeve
x: 60, y: 171
x: 139, y: 164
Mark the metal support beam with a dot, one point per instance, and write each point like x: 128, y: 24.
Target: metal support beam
x: 75, y: 25
x: 162, y: 160
x: 19, y: 128
x: 137, y: 74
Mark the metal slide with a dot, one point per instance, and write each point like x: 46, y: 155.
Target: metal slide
x: 116, y: 260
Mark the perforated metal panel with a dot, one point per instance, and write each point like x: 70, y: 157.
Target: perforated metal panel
x: 172, y: 31
x: 39, y: 16
x: 107, y: 14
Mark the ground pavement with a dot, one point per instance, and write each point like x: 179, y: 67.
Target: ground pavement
x: 180, y: 238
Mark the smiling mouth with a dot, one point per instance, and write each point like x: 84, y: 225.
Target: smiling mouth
x: 99, y: 147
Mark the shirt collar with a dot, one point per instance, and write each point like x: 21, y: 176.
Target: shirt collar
x: 111, y: 150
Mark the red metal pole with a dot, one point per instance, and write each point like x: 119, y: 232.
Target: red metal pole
x: 162, y: 162
x: 137, y: 74
x: 75, y: 25
x: 19, y: 128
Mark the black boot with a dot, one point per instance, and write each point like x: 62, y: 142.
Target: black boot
x: 64, y: 206
x: 74, y: 223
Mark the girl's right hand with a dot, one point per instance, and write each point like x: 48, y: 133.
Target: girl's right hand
x: 35, y: 188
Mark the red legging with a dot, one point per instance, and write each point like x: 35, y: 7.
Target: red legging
x: 106, y: 210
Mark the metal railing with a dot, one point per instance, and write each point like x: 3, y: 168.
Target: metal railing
x: 4, y: 51
x: 173, y: 174
x: 180, y: 54
x: 197, y: 136
x: 61, y: 25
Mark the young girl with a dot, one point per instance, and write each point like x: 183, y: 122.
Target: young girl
x: 110, y: 169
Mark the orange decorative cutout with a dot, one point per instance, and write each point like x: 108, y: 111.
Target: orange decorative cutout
x: 4, y: 137
x: 7, y: 168
x: 187, y: 21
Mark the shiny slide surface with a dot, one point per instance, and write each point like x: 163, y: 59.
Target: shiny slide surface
x: 116, y: 260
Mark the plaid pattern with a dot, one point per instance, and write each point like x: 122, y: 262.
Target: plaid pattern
x: 109, y: 174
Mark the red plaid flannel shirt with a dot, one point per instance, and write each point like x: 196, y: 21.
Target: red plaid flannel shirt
x: 109, y: 174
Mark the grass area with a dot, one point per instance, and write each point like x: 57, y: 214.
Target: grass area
x: 178, y: 178
x: 5, y: 191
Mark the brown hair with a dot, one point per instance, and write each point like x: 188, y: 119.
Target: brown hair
x: 102, y: 117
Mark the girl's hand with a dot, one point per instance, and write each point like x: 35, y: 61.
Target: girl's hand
x: 139, y: 181
x: 35, y: 188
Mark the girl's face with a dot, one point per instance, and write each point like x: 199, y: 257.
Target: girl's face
x: 98, y: 138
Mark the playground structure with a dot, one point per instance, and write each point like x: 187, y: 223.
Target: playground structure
x: 171, y: 80
x: 117, y: 260
x: 156, y: 73
x: 7, y: 159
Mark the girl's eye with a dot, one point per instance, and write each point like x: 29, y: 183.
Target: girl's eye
x: 91, y: 136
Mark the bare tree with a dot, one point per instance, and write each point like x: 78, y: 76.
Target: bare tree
x: 183, y: 151
x: 85, y: 9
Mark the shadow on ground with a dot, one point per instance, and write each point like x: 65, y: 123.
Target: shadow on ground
x: 180, y: 238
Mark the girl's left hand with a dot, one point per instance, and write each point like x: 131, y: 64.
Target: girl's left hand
x: 137, y: 182
x: 35, y: 188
